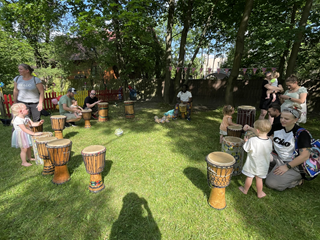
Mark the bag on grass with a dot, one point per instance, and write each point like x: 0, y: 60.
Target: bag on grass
x: 312, y: 165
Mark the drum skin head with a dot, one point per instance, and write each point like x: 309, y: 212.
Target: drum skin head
x: 59, y: 143
x: 233, y: 139
x: 93, y: 149
x: 235, y: 127
x: 221, y: 159
x: 128, y: 101
x: 86, y: 110
x: 44, y: 134
x: 45, y: 139
x: 247, y: 107
x: 58, y: 116
x: 103, y: 103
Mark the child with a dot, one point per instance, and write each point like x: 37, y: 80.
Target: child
x: 75, y: 105
x: 259, y: 149
x: 274, y: 83
x: 21, y: 134
x: 166, y: 117
x: 228, y: 110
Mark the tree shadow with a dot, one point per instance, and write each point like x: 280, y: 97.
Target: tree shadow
x: 135, y: 220
x: 198, y: 178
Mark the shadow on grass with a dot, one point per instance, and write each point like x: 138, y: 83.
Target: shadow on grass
x: 74, y: 162
x: 198, y: 179
x: 107, y: 168
x: 135, y: 220
x: 70, y: 135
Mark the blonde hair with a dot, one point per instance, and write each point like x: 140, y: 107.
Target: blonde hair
x: 15, y: 108
x: 275, y: 75
x: 293, y: 79
x: 264, y: 126
x: 227, y: 110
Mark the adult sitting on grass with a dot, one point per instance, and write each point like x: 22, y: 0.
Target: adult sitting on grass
x: 65, y: 108
x: 184, y: 97
x: 91, y: 102
x: 288, y: 172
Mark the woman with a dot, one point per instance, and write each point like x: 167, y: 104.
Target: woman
x: 264, y: 103
x: 295, y: 94
x: 29, y: 90
x: 287, y: 172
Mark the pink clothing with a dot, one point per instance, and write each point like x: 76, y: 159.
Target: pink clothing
x: 224, y: 124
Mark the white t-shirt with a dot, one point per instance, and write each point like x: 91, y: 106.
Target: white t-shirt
x: 18, y: 121
x: 258, y: 157
x: 184, y: 97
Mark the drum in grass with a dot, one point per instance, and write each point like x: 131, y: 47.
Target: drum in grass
x: 183, y: 110
x: 35, y: 148
x: 233, y: 146
x: 94, y: 160
x: 234, y: 131
x: 60, y: 152
x: 103, y: 111
x: 129, y: 109
x: 58, y: 123
x: 246, y: 115
x: 37, y: 128
x: 48, y: 167
x: 86, y: 114
x: 219, y: 172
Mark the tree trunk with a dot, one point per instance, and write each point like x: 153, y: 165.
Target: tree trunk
x: 200, y: 42
x: 238, y: 51
x: 286, y: 52
x: 167, y: 82
x: 300, y: 34
x: 182, y: 51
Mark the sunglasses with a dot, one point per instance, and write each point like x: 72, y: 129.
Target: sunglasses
x: 92, y: 93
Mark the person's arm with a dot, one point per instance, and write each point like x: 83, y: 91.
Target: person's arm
x: 302, y: 98
x: 41, y: 97
x: 23, y: 128
x: 35, y: 124
x: 229, y: 119
x: 92, y: 105
x: 273, y: 88
x: 69, y: 109
x: 15, y: 92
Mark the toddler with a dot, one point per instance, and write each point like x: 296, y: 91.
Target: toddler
x: 166, y: 117
x: 21, y: 136
x: 258, y: 151
x: 274, y: 83
x: 228, y: 110
x: 75, y: 105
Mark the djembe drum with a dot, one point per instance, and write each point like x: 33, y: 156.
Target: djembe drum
x: 59, y: 153
x: 129, y: 109
x: 233, y: 146
x: 86, y: 114
x: 48, y: 168
x: 35, y: 148
x: 250, y: 134
x: 246, y: 115
x: 37, y: 128
x: 234, y: 131
x: 219, y: 171
x: 58, y: 124
x: 103, y: 111
x: 94, y: 160
x: 183, y: 110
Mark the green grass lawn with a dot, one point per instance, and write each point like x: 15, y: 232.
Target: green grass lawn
x: 155, y: 187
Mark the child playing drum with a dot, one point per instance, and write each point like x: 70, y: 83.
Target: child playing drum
x: 259, y: 149
x: 75, y: 105
x: 21, y: 135
x: 228, y: 110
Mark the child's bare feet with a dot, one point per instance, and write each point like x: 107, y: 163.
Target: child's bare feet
x: 242, y: 190
x: 267, y: 98
x: 273, y: 99
x: 26, y: 164
x: 261, y: 195
x: 32, y: 159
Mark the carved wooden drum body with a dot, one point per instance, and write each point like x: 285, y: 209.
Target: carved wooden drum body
x: 58, y: 123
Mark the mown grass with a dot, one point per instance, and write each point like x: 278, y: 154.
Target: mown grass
x: 156, y: 188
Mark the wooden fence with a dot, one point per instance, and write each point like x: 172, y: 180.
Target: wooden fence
x: 104, y: 95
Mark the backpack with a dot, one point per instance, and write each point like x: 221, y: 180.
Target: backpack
x: 311, y: 166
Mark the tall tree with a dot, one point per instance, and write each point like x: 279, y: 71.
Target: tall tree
x: 299, y: 38
x: 238, y: 51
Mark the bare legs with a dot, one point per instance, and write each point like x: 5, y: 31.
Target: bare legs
x: 259, y: 185
x: 26, y: 152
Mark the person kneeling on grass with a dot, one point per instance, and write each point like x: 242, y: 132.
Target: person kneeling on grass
x: 259, y: 149
x: 65, y: 108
